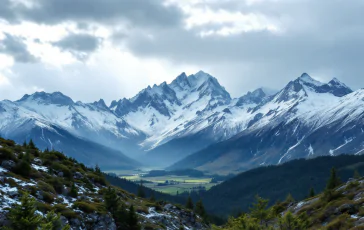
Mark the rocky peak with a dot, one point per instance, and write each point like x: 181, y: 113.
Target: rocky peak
x: 255, y: 97
x: 100, y: 104
x: 47, y: 98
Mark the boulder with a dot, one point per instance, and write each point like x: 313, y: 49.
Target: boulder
x: 8, y: 164
x: 347, y: 208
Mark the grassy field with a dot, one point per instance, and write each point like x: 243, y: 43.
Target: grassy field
x: 184, y: 183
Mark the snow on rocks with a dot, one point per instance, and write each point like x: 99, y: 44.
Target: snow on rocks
x: 40, y: 168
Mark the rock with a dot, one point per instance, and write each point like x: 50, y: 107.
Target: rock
x: 2, y: 179
x: 359, y: 222
x: 3, y: 219
x: 64, y: 221
x: 39, y: 195
x: 37, y: 161
x: 168, y: 207
x: 346, y: 208
x: 75, y: 223
x: 13, y: 193
x: 8, y: 164
x: 78, y: 175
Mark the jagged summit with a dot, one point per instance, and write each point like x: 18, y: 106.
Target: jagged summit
x: 48, y: 98
x: 100, y: 104
x: 305, y: 78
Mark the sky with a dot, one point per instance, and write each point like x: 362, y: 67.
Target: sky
x: 110, y: 49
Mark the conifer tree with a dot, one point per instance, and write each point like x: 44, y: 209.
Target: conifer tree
x: 312, y: 193
x: 357, y: 174
x: 259, y: 210
x: 133, y: 219
x: 200, y: 209
x: 334, y: 180
x: 73, y: 192
x: 31, y: 144
x: 52, y: 221
x: 111, y: 200
x: 152, y: 197
x: 98, y: 170
x: 23, y: 216
x: 141, y: 192
x: 289, y: 198
x: 189, y: 204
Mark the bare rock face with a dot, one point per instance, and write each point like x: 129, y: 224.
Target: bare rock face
x: 8, y: 164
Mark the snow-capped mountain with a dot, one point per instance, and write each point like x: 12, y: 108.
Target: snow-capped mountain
x: 55, y: 121
x: 306, y: 118
x: 166, y: 123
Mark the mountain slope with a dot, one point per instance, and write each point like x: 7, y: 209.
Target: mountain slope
x: 40, y: 184
x: 88, y: 132
x: 305, y: 119
x: 296, y: 177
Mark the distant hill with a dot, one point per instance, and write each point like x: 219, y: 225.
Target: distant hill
x: 276, y: 182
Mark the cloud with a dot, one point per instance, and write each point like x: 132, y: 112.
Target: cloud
x: 308, y: 36
x: 80, y: 45
x: 244, y: 43
x: 143, y: 13
x: 16, y: 48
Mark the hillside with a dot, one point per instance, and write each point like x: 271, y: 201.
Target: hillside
x: 339, y: 207
x: 275, y: 182
x: 52, y: 191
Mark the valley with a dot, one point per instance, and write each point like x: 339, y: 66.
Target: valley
x: 169, y: 184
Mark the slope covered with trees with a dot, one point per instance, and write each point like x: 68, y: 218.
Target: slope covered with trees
x: 47, y: 190
x: 297, y: 178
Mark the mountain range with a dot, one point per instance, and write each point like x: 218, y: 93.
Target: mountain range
x: 194, y: 123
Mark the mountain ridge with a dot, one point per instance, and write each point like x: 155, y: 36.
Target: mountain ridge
x: 165, y: 123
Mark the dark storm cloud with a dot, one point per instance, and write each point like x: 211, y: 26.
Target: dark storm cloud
x: 324, y: 38
x: 15, y: 47
x: 144, y: 13
x: 80, y: 45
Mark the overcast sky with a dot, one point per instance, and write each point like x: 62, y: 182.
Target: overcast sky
x: 91, y: 49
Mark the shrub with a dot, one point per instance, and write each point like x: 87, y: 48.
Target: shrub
x: 23, y: 168
x: 84, y: 206
x: 6, y: 154
x: 342, y: 222
x: 57, y: 184
x: 47, y: 197
x: 46, y: 187
x: 60, y: 167
x: 43, y: 207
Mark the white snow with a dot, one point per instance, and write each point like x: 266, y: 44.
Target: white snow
x: 40, y: 168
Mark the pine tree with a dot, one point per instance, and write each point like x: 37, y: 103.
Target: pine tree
x: 259, y: 210
x: 111, y: 200
x: 357, y: 174
x: 141, y: 192
x: 133, y: 219
x: 200, y: 209
x: 24, y: 144
x: 98, y: 170
x: 73, y: 192
x: 23, y: 216
x: 289, y: 198
x: 31, y: 144
x: 152, y: 197
x: 189, y: 204
x: 312, y: 193
x: 334, y: 180
x: 52, y: 221
x: 121, y: 217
